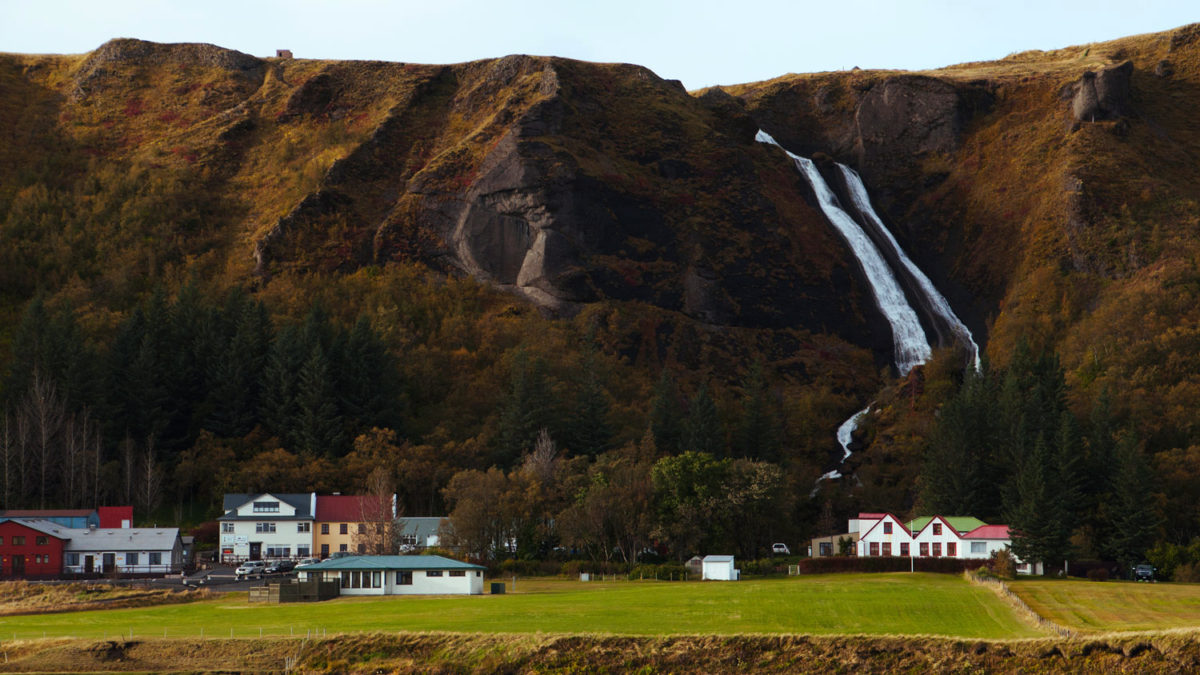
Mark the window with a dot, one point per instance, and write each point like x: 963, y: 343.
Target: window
x: 344, y: 528
x: 264, y: 528
x: 227, y: 528
x: 343, y: 547
x: 404, y: 578
x: 887, y: 527
x: 378, y: 528
x: 362, y: 548
x: 937, y: 529
x: 978, y: 547
x: 324, y: 550
x: 904, y: 550
x: 1, y: 541
x: 279, y: 551
x: 131, y: 558
x: 433, y: 573
x: 18, y: 541
x: 324, y: 528
x: 951, y: 549
x: 825, y: 548
x: 71, y: 559
x: 304, y: 527
x: 41, y: 541
x: 303, y: 551
x: 405, y: 540
x: 937, y: 549
x: 376, y: 579
x: 362, y: 528
x: 266, y: 507
x: 874, y: 548
x: 924, y: 549
x: 887, y: 549
x: 458, y: 573
x: 345, y: 580
x: 156, y: 557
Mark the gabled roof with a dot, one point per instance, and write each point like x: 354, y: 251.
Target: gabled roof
x: 871, y: 516
x: 41, y: 525
x: 123, y: 539
x: 879, y: 522
x: 988, y: 532
x: 959, y: 524
x: 301, y: 501
x: 390, y: 562
x: 718, y: 558
x: 350, y: 508
x: 421, y: 527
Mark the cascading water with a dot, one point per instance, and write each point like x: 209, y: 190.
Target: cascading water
x: 911, y: 345
x: 937, y: 302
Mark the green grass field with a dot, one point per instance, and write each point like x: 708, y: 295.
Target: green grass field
x: 1089, y: 606
x: 869, y: 604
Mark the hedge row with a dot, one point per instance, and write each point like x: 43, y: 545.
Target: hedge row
x: 831, y: 564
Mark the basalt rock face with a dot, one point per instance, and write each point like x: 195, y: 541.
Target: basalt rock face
x: 1103, y: 94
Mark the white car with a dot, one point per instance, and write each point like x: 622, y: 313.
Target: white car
x: 307, y: 561
x: 251, y: 568
x: 780, y: 549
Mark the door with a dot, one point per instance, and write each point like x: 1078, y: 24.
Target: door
x: 89, y: 564
x: 110, y: 562
x: 256, y: 550
x: 18, y: 565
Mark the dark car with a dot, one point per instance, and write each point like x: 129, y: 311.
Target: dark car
x: 280, y: 566
x: 1143, y: 572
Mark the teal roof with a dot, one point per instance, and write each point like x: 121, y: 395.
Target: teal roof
x: 390, y: 562
x: 959, y: 523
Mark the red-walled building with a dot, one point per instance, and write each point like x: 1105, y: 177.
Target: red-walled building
x: 31, y: 549
x: 115, y: 516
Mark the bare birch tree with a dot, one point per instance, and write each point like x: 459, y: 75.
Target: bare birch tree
x: 377, y: 534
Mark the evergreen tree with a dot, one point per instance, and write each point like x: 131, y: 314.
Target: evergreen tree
x: 1134, y: 521
x: 527, y: 408
x: 235, y: 383
x: 960, y: 468
x: 589, y: 431
x: 702, y: 431
x: 319, y: 428
x: 758, y: 435
x: 369, y: 387
x: 280, y: 385
x: 666, y: 416
x: 1030, y: 512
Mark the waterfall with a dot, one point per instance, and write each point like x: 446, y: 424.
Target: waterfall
x: 908, y: 338
x: 937, y: 302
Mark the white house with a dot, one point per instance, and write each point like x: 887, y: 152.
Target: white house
x: 942, y: 536
x: 398, y: 575
x: 883, y: 536
x: 125, y: 550
x: 420, y: 532
x: 257, y: 526
x: 718, y: 568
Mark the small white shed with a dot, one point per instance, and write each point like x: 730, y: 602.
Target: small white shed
x: 719, y: 568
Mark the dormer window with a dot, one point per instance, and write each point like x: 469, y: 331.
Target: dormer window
x: 266, y: 507
x: 887, y: 528
x: 937, y: 529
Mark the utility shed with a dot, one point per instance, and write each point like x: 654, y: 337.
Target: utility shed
x: 719, y: 568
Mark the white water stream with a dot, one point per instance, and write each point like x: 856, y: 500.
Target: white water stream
x: 909, y: 340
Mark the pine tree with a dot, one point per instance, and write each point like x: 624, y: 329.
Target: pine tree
x: 1030, y: 514
x: 758, y: 434
x: 588, y: 430
x: 527, y: 408
x: 702, y: 431
x: 1134, y: 522
x: 319, y: 428
x: 280, y: 384
x: 369, y: 386
x: 666, y: 416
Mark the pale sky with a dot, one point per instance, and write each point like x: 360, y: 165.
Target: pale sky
x: 701, y: 42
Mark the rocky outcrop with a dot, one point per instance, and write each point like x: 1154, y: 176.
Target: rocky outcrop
x: 1103, y: 94
x: 113, y: 54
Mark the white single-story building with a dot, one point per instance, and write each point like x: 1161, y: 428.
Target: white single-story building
x: 124, y: 550
x: 719, y: 568
x: 398, y: 575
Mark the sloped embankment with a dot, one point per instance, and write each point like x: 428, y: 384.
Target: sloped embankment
x: 452, y: 653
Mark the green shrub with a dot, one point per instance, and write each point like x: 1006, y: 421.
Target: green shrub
x: 666, y: 571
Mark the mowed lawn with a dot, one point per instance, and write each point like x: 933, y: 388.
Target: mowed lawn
x: 872, y: 604
x: 1107, y: 606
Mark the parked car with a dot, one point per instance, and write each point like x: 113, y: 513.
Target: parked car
x: 280, y: 566
x: 307, y: 561
x: 251, y: 568
x: 780, y: 549
x: 1143, y: 572
x: 340, y: 554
